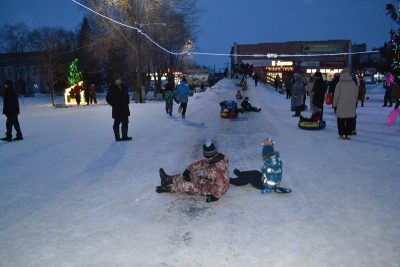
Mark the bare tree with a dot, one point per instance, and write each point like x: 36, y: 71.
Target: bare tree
x: 57, y: 44
x: 179, y: 17
x: 15, y: 41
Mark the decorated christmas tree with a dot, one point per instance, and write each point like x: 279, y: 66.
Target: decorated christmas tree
x: 391, y: 49
x: 75, y: 76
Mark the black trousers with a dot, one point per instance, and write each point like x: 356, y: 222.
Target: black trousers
x: 388, y: 97
x: 13, y: 121
x: 298, y: 110
x: 253, y: 177
x: 93, y: 98
x: 183, y: 107
x: 124, y: 121
x: 345, y: 125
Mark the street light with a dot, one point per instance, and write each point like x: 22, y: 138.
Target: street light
x: 138, y: 69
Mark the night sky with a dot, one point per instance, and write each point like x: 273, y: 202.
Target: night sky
x: 250, y: 21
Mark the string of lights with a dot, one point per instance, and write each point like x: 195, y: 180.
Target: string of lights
x: 134, y: 28
x: 188, y: 52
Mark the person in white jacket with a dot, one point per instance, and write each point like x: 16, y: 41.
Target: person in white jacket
x: 344, y: 104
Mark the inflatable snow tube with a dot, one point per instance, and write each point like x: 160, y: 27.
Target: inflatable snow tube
x: 311, y: 125
x: 391, y: 119
x: 229, y: 115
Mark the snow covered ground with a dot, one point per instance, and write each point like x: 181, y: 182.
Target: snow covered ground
x: 71, y: 196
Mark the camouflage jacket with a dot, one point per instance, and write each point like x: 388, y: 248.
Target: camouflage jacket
x: 207, y: 177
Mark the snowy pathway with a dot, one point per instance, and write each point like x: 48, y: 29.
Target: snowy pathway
x: 70, y: 196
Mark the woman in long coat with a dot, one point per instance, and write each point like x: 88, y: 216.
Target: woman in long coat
x: 344, y: 104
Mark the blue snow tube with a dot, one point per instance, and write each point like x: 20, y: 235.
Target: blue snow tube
x: 311, y: 125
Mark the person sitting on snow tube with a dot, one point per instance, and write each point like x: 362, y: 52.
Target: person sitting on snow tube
x: 229, y: 109
x: 313, y: 123
x: 246, y: 106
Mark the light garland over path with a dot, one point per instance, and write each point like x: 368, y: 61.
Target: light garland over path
x: 189, y: 52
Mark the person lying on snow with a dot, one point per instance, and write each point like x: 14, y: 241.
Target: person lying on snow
x: 208, y: 177
x: 246, y: 106
x: 271, y: 172
x: 316, y: 117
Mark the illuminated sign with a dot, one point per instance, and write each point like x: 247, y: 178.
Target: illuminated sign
x: 322, y: 48
x: 282, y: 63
x: 278, y: 69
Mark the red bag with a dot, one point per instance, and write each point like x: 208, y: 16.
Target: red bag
x: 328, y: 99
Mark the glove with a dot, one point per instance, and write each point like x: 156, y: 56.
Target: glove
x: 186, y: 176
x: 334, y: 109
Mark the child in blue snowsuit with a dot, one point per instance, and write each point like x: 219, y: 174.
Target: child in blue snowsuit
x: 271, y: 172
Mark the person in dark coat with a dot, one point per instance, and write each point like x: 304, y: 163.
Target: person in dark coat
x: 77, y: 93
x: 92, y: 94
x: 11, y: 110
x: 169, y: 97
x: 333, y: 84
x: 318, y: 92
x: 246, y: 106
x: 86, y: 93
x: 256, y: 77
x: 118, y: 98
x: 277, y: 82
x: 362, y: 90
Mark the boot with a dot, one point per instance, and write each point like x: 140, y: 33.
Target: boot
x: 125, y: 136
x: 6, y: 139
x: 211, y: 198
x: 163, y: 189
x: 116, y: 133
x: 165, y: 179
x: 18, y: 137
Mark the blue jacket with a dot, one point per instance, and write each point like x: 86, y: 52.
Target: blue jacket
x: 183, y: 92
x: 272, y: 170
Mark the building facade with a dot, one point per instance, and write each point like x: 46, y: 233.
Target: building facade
x: 29, y: 72
x: 288, y: 58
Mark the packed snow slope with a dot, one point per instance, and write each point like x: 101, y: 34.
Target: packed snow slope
x: 71, y: 196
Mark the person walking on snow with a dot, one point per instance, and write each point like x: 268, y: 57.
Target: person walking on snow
x: 183, y: 93
x: 256, y: 77
x: 344, y: 104
x: 169, y: 97
x: 208, y: 177
x: 118, y: 98
x: 11, y: 111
